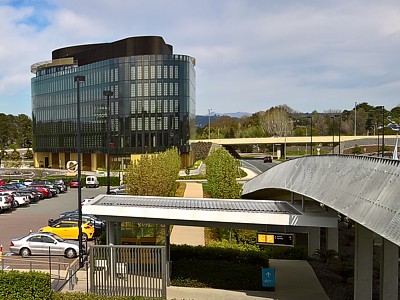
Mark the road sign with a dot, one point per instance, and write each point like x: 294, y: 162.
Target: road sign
x: 277, y: 239
x: 268, y: 277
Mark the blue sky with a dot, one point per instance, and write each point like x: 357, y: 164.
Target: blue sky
x: 251, y: 54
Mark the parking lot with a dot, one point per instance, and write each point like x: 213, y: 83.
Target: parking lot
x: 20, y: 221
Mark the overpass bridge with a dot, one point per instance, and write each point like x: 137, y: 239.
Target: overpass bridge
x: 298, y: 140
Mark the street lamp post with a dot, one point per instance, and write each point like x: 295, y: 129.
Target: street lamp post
x: 333, y: 134
x: 383, y: 129
x: 290, y: 121
x: 78, y: 79
x: 108, y: 94
x: 355, y: 119
x: 311, y: 145
x: 209, y: 123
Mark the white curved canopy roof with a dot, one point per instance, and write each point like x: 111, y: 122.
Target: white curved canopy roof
x: 366, y: 189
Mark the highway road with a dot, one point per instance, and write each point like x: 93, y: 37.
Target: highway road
x: 257, y: 165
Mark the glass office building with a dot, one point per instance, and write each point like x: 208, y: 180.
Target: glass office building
x: 151, y: 107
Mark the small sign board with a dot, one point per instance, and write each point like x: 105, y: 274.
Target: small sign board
x: 277, y: 239
x: 268, y: 277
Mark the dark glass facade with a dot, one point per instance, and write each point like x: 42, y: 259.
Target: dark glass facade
x: 152, y: 107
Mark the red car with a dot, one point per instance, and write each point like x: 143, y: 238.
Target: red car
x: 74, y: 183
x: 46, y: 193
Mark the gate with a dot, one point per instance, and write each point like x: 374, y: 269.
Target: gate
x: 128, y: 270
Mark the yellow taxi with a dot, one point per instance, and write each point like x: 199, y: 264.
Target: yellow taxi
x: 68, y: 229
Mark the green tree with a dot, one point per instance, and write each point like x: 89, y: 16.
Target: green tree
x: 222, y: 170
x: 154, y: 175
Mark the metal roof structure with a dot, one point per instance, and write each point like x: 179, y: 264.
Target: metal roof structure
x: 235, y: 213
x: 366, y: 189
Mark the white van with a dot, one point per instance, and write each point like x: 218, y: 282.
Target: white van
x: 91, y: 181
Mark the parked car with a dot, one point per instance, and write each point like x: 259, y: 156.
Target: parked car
x: 92, y: 181
x: 74, y: 183
x: 51, y: 188
x: 268, y: 159
x: 33, y: 196
x: 5, y: 203
x: 20, y: 199
x: 46, y: 193
x: 10, y: 198
x: 99, y: 225
x: 28, y: 181
x: 14, y: 181
x: 2, y: 181
x: 42, y: 244
x: 60, y: 183
x: 120, y: 190
x: 67, y: 229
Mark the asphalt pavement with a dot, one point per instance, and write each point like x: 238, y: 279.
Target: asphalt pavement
x: 21, y: 220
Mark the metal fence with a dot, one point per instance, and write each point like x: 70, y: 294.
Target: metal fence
x: 59, y: 270
x: 127, y: 270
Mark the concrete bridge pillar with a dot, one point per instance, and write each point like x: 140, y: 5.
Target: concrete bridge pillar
x: 332, y: 239
x: 314, y: 239
x: 363, y: 264
x: 389, y: 272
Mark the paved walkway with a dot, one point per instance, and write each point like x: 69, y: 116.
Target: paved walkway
x: 193, y: 236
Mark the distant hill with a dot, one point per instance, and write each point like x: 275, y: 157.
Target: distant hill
x: 202, y: 121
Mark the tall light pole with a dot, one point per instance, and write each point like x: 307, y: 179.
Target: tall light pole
x: 340, y: 125
x: 355, y: 119
x: 311, y: 145
x: 78, y: 79
x: 290, y: 121
x: 108, y: 94
x: 383, y: 129
x: 209, y: 123
x: 333, y: 134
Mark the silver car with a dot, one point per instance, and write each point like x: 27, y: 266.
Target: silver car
x: 120, y: 190
x: 41, y: 244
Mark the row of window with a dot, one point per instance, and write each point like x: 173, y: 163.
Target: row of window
x: 98, y: 113
x: 98, y: 142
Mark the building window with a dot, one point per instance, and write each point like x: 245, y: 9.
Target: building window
x: 133, y: 90
x: 152, y: 72
x: 159, y: 74
x: 133, y: 75
x: 139, y: 72
x: 152, y: 106
x: 159, y: 89
x: 146, y: 89
x: 152, y: 89
x: 146, y: 72
x: 165, y: 72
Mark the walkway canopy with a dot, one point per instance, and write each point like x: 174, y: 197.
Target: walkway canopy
x: 229, y: 213
x: 366, y: 189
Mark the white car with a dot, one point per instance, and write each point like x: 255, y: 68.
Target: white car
x: 120, y: 190
x: 92, y: 181
x: 21, y: 200
x: 28, y: 182
x: 5, y: 203
x: 43, y: 243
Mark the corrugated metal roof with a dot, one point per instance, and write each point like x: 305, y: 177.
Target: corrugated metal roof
x: 366, y: 189
x: 232, y: 205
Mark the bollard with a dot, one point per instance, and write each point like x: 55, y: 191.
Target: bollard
x: 1, y: 252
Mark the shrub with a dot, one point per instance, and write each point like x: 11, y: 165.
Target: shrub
x: 24, y: 285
